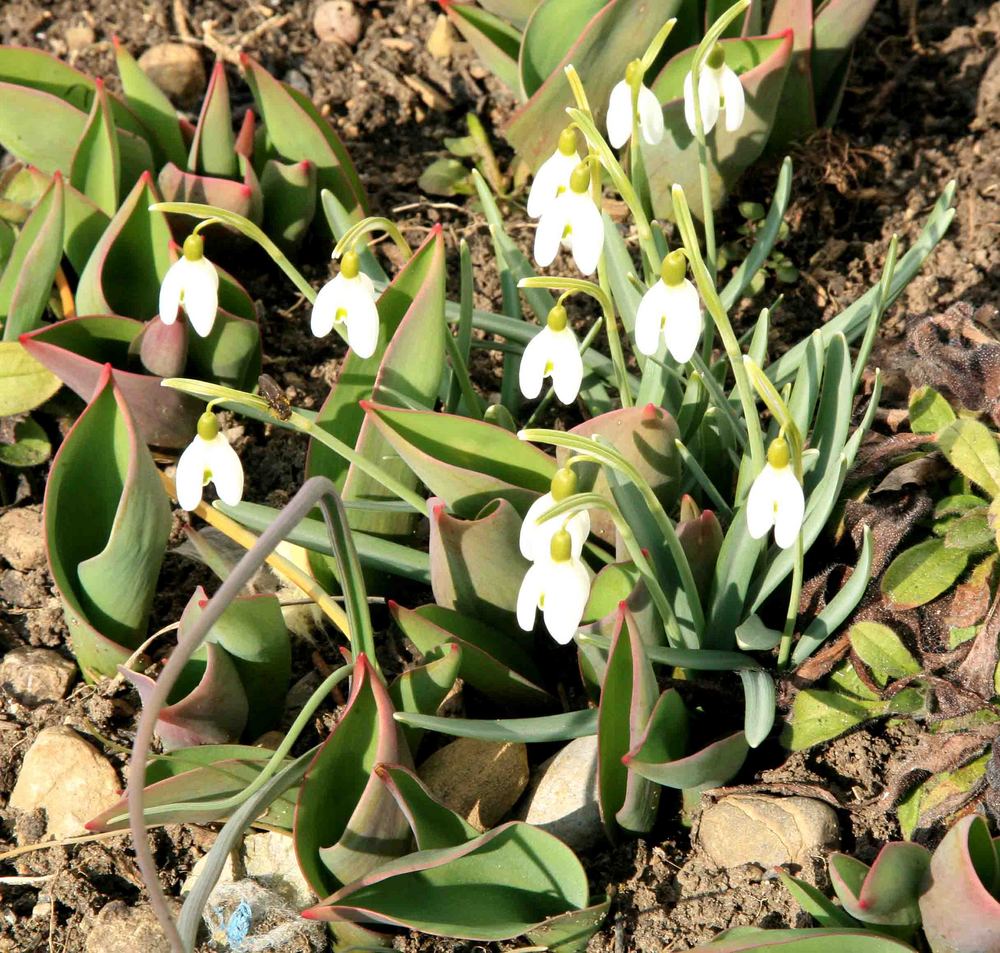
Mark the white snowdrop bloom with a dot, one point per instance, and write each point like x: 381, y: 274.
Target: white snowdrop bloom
x: 348, y: 299
x: 719, y: 89
x: 776, y: 498
x: 559, y: 585
x: 648, y: 110
x: 209, y: 459
x: 553, y: 352
x: 191, y: 282
x: 670, y: 308
x: 552, y: 177
x: 536, y: 538
x: 573, y: 220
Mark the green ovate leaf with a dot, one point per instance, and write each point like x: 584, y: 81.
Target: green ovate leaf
x: 929, y: 411
x: 29, y: 448
x: 972, y: 450
x: 24, y: 383
x: 922, y: 572
x: 882, y: 651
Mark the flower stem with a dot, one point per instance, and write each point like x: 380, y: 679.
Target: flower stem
x: 785, y: 647
x: 374, y: 224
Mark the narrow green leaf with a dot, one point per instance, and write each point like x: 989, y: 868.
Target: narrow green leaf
x: 95, y: 169
x: 544, y: 728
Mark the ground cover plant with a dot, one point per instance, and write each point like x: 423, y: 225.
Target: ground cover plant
x: 600, y: 579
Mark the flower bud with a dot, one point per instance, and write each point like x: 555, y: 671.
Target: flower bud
x: 194, y: 247
x: 674, y: 268
x: 208, y: 426
x: 557, y: 318
x: 778, y: 454
x: 563, y: 484
x: 561, y: 548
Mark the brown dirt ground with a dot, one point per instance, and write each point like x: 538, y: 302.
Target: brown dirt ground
x: 922, y: 107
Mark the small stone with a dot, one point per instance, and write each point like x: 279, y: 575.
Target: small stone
x: 68, y: 777
x: 441, y: 42
x: 769, y: 831
x: 481, y: 780
x: 119, y: 928
x: 297, y: 80
x: 79, y: 38
x: 274, y: 923
x: 177, y: 69
x: 36, y: 676
x: 336, y: 21
x: 22, y: 542
x: 563, y: 800
x: 270, y: 859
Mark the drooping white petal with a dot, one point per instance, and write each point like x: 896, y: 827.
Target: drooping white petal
x: 649, y: 318
x: 325, y: 307
x: 529, y: 595
x: 190, y: 476
x: 791, y: 507
x: 170, y: 292
x: 223, y: 462
x: 684, y: 321
x: 200, y: 294
x: 536, y: 538
x: 620, y: 115
x: 587, y: 235
x: 650, y: 116
x: 567, y: 589
x: 551, y: 178
x: 734, y: 97
x: 709, y: 94
x: 362, y: 315
x: 550, y: 229
x: 533, y: 364
x: 761, y: 502
x: 689, y: 103
x: 567, y: 365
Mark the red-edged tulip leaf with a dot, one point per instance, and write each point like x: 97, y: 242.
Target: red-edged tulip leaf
x: 434, y: 826
x: 495, y: 887
x: 423, y: 688
x: 490, y: 661
x: 627, y: 800
x: 107, y: 520
x: 959, y: 907
x: 125, y: 269
x: 26, y: 282
x: 713, y: 765
x: 757, y: 940
x: 701, y: 539
x: 163, y: 347
x: 39, y: 128
x: 838, y: 24
x: 213, y: 712
x: 95, y: 169
x: 551, y: 31
x: 796, y: 115
x: 495, y: 42
x: 887, y: 894
x: 252, y: 631
x: 346, y: 822
x: 289, y: 193
x: 178, y: 186
x: 229, y: 354
x: 675, y: 158
x: 820, y: 907
x: 152, y: 109
x: 646, y: 437
x: 213, y: 149
x: 246, y: 138
x: 476, y: 565
x: 203, y: 773
x: 463, y: 461
x: 84, y: 224
x: 516, y: 12
x: 24, y: 383
x: 405, y: 367
x: 76, y: 351
x: 296, y: 132
x: 618, y: 33
x: 570, y: 932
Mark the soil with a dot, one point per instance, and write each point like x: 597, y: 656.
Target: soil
x: 922, y: 107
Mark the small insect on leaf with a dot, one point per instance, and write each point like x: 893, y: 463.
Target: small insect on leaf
x: 275, y: 397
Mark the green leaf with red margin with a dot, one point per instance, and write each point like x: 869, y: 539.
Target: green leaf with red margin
x: 796, y: 115
x: 296, y: 132
x: 495, y: 42
x: 491, y: 661
x: 289, y: 200
x: 95, y: 169
x: 495, y: 887
x: 618, y: 33
x: 213, y: 149
x: 229, y: 354
x: 758, y: 940
x: 107, y: 521
x: 423, y: 688
x: 766, y: 61
x: 886, y: 893
x: 405, y: 367
x: 465, y: 462
x: 550, y: 33
x: 76, y: 351
x: 26, y: 282
x: 124, y: 271
x: 570, y: 932
x: 476, y: 565
x: 837, y: 25
x: 517, y: 12
x: 346, y: 822
x: 176, y: 185
x: 433, y: 825
x: 628, y: 801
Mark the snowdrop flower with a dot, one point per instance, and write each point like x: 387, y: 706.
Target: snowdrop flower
x: 209, y: 458
x: 553, y: 352
x: 552, y: 178
x: 536, y: 538
x: 559, y: 585
x: 348, y: 299
x: 670, y: 308
x: 649, y: 112
x: 776, y: 498
x: 719, y: 88
x: 191, y: 282
x: 574, y: 220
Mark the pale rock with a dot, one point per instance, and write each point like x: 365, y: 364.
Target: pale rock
x: 36, y: 676
x: 68, y: 777
x: 22, y: 541
x: 177, y: 69
x: 274, y: 923
x: 480, y: 780
x: 769, y: 831
x: 441, y: 42
x: 270, y: 859
x: 563, y: 799
x: 79, y: 38
x: 336, y: 21
x: 119, y: 928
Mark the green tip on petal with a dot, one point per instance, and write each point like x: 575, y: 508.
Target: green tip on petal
x: 562, y: 547
x: 563, y: 484
x: 579, y: 181
x: 777, y: 453
x: 634, y: 73
x: 717, y: 58
x: 208, y: 426
x: 557, y: 318
x: 674, y: 268
x: 567, y: 141
x: 194, y: 247
x: 351, y: 265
